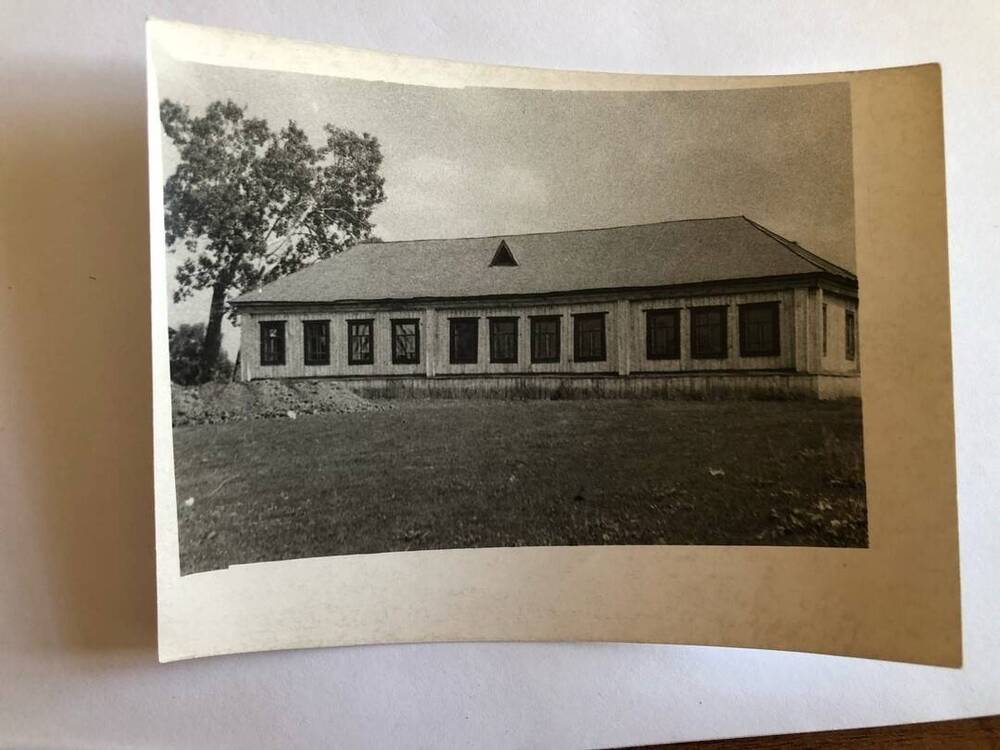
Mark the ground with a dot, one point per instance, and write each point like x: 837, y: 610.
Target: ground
x: 432, y: 474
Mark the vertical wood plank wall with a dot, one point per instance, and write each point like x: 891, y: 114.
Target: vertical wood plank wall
x: 732, y: 361
x: 835, y: 360
x: 295, y: 366
x: 800, y: 330
x: 443, y: 366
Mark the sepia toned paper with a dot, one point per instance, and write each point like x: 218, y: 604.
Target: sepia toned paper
x: 897, y: 599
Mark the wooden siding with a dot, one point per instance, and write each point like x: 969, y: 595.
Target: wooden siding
x: 704, y: 385
x: 800, y: 332
x: 785, y: 360
x: 295, y: 367
x: 835, y: 360
x: 524, y: 364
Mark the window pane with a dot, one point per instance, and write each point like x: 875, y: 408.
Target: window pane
x: 545, y: 339
x: 405, y: 341
x: 359, y: 342
x: 589, y: 337
x: 663, y: 334
x: 464, y: 340
x: 850, y: 343
x: 316, y: 336
x: 503, y: 339
x: 272, y: 343
x: 759, y: 329
x: 708, y: 332
x: 824, y: 329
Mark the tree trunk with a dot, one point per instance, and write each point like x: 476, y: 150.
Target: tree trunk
x: 213, y: 333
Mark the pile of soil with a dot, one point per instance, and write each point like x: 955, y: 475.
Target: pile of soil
x: 212, y: 403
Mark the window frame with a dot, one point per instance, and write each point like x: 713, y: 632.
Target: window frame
x: 663, y: 312
x: 536, y: 320
x: 494, y: 323
x: 453, y: 324
x: 395, y: 323
x: 850, y: 335
x: 775, y: 307
x: 581, y: 317
x: 826, y: 315
x: 278, y: 361
x: 306, y: 338
x: 352, y: 324
x: 693, y: 314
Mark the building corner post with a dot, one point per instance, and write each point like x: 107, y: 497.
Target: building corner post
x: 814, y: 337
x: 243, y: 356
x: 801, y: 337
x: 623, y: 336
x: 431, y: 345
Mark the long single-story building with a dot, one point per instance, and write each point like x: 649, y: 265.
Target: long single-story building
x: 700, y: 307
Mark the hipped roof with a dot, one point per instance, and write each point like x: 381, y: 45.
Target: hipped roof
x: 647, y: 255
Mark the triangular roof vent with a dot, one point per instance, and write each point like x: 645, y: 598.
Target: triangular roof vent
x: 503, y: 256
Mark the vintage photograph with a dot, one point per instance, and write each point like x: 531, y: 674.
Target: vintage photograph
x: 414, y: 318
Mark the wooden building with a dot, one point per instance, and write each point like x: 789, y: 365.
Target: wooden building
x: 701, y: 307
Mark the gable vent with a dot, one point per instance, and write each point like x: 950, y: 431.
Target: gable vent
x: 503, y: 256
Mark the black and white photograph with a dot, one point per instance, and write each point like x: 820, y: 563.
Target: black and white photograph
x: 498, y: 375
x: 410, y: 318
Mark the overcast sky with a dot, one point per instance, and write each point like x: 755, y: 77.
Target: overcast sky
x: 467, y: 162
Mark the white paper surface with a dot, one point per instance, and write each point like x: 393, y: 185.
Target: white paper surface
x: 77, y: 638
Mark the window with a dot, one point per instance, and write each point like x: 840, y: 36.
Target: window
x: 588, y: 338
x: 360, y: 344
x: 545, y: 338
x: 503, y: 339
x: 824, y: 329
x: 464, y: 341
x: 405, y: 342
x: 316, y: 342
x: 760, y: 329
x: 850, y: 335
x: 663, y: 339
x: 708, y: 333
x: 272, y: 342
x: 503, y: 256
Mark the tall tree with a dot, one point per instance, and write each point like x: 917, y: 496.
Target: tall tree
x: 249, y: 204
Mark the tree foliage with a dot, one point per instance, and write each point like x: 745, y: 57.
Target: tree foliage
x: 250, y: 204
x: 187, y: 343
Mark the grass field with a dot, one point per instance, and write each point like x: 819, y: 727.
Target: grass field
x: 442, y: 474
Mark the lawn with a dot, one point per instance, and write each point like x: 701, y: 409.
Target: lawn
x: 433, y: 474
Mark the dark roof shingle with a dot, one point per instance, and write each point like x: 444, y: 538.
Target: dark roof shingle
x: 645, y: 255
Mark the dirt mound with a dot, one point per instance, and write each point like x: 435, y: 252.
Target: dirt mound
x: 226, y: 402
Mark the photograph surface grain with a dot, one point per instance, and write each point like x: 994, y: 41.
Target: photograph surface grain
x: 409, y: 318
